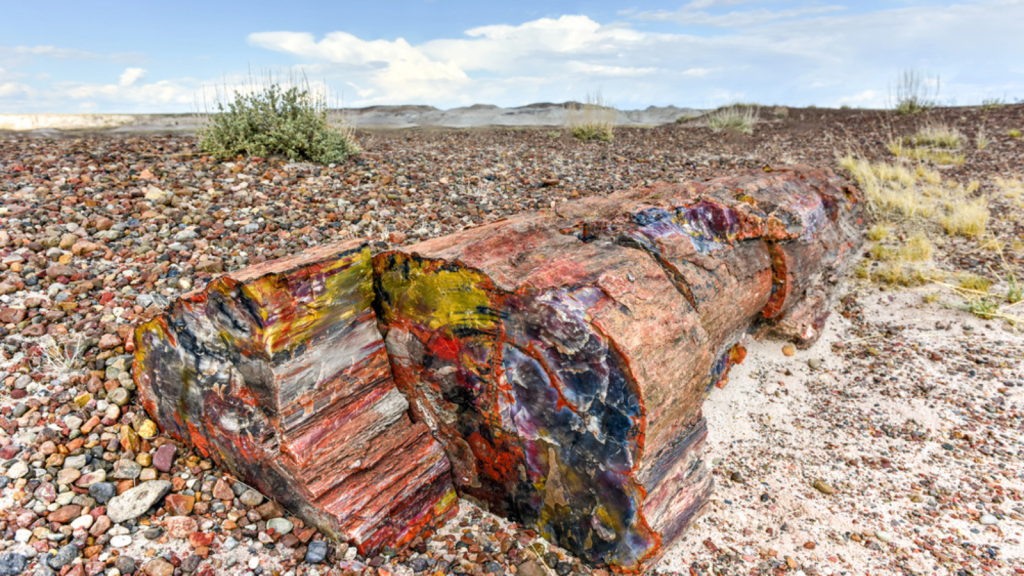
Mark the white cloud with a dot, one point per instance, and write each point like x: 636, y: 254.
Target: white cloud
x: 806, y: 52
x: 9, y: 89
x: 48, y: 52
x: 866, y: 99
x: 132, y: 75
x: 690, y: 15
x: 803, y: 54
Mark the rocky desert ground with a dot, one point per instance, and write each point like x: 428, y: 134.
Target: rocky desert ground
x: 892, y: 446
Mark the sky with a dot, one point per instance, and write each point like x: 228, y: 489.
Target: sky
x: 144, y: 56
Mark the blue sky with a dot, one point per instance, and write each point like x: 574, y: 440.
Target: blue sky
x: 147, y: 56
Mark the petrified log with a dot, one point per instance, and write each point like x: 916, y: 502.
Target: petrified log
x: 562, y: 358
x: 559, y: 358
x: 278, y: 373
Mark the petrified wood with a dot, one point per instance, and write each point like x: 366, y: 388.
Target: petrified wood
x: 559, y: 358
x: 278, y: 372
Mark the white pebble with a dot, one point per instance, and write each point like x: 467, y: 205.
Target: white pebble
x: 121, y: 541
x: 83, y: 522
x: 254, y: 563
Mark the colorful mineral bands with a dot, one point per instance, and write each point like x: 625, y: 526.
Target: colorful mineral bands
x: 278, y: 372
x: 550, y: 367
x: 542, y: 419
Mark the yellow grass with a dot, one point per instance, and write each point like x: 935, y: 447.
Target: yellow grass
x: 897, y: 193
x: 967, y: 218
x: 917, y: 249
x: 937, y: 136
x: 975, y: 283
x: 878, y: 232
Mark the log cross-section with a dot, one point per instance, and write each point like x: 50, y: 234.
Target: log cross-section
x: 550, y: 367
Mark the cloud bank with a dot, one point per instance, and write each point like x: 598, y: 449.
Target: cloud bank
x: 702, y: 54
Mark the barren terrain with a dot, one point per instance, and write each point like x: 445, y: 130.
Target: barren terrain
x: 892, y: 446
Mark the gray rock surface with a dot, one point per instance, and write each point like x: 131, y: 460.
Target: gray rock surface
x: 134, y: 502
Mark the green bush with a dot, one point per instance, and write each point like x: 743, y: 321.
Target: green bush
x: 271, y: 120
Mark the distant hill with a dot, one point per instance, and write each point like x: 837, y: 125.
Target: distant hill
x: 404, y: 116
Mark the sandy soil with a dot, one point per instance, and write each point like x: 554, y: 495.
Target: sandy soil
x: 902, y: 503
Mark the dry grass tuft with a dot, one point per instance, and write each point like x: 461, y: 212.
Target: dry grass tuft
x: 937, y: 136
x: 878, y: 232
x: 967, y: 218
x: 1012, y: 190
x: 736, y: 117
x: 917, y: 249
x: 974, y: 283
x: 981, y: 140
x: 923, y: 153
x: 594, y: 120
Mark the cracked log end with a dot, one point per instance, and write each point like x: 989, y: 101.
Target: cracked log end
x: 278, y: 373
x: 551, y: 366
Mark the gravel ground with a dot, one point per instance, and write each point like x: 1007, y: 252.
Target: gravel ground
x: 897, y: 452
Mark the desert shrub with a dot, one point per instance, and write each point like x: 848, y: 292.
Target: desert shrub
x: 937, y: 136
x: 992, y: 104
x: 915, y: 92
x: 738, y: 118
x: 270, y: 119
x: 593, y: 120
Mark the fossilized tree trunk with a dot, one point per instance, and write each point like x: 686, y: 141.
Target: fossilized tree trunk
x: 559, y: 358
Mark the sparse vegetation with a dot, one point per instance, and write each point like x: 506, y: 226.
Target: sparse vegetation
x: 992, y: 104
x: 981, y: 140
x: 936, y: 143
x: 921, y: 153
x: 593, y: 120
x: 1012, y: 190
x: 909, y: 204
x: 269, y: 118
x: 780, y: 112
x: 1014, y: 291
x: 61, y: 356
x: 937, y: 136
x: 1014, y: 133
x: 967, y: 218
x: 984, y: 308
x: 974, y: 283
x: 915, y: 92
x: 738, y: 117
x: 878, y: 232
x: 917, y: 249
